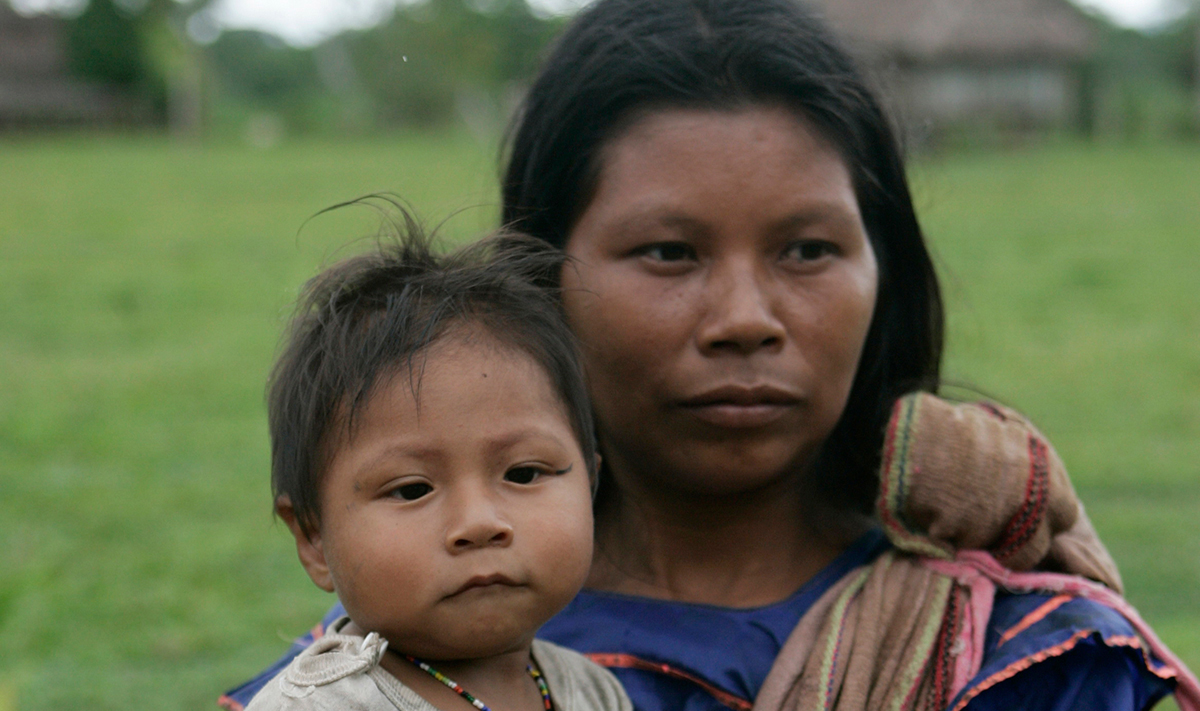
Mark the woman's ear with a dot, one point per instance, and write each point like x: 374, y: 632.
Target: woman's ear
x: 308, y: 545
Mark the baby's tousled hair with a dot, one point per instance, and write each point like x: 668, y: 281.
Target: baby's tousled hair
x: 373, y: 316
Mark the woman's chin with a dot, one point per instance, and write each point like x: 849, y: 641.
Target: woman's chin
x: 724, y: 471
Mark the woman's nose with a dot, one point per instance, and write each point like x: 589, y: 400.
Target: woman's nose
x: 477, y: 524
x: 739, y: 315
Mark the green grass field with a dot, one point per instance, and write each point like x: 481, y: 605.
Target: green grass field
x: 143, y: 285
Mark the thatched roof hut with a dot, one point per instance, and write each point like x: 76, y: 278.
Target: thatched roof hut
x: 36, y: 88
x: 1008, y: 63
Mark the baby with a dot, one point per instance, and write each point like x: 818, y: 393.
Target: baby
x: 432, y: 453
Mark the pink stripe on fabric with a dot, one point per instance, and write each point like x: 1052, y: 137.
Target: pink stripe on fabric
x: 1034, y: 617
x: 970, y: 643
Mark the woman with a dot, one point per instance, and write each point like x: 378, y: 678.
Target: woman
x: 752, y: 293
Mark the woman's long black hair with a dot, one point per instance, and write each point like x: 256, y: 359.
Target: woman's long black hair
x: 622, y: 58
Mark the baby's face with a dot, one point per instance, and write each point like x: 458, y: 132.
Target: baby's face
x: 455, y: 526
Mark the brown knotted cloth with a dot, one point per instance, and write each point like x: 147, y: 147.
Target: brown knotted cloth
x: 906, y: 632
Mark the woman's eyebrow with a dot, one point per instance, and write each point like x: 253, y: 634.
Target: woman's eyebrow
x: 824, y: 211
x: 657, y: 216
x: 662, y: 220
x: 810, y: 212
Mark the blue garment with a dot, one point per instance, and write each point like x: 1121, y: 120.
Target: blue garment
x: 682, y: 635
x: 725, y: 653
x: 1099, y: 669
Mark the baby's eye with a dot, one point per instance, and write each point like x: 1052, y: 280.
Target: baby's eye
x: 411, y: 492
x: 529, y: 473
x: 809, y: 250
x: 523, y: 474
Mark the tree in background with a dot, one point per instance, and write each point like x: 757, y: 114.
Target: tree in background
x: 257, y: 74
x: 1147, y: 79
x: 1193, y: 17
x: 179, y: 61
x: 430, y: 63
x: 141, y: 48
x: 105, y: 44
x: 437, y: 59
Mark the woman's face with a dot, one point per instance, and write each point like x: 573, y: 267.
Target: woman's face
x: 722, y: 290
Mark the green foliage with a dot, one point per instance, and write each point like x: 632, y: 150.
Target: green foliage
x: 104, y: 44
x: 414, y: 63
x: 1181, y: 53
x: 1147, y: 81
x: 429, y: 64
x: 252, y: 72
x: 143, y: 285
x: 260, y: 67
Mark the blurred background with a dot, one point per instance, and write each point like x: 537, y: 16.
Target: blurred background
x: 160, y: 161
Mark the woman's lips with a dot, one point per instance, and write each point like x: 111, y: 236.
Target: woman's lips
x: 741, y: 407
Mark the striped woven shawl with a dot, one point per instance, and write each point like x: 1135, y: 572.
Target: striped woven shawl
x: 907, y: 632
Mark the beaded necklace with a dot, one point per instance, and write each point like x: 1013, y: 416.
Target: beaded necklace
x: 457, y: 688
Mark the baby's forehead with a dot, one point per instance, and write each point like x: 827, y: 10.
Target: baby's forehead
x: 462, y: 353
x: 464, y: 388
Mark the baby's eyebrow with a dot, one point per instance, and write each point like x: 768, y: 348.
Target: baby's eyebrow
x: 401, y: 450
x: 511, y: 439
x: 437, y: 454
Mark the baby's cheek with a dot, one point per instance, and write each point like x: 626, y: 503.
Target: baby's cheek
x: 370, y: 589
x: 346, y: 587
x: 570, y: 554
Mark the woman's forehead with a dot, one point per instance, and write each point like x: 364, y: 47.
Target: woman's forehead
x: 676, y: 165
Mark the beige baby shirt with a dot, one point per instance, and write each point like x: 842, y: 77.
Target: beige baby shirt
x: 342, y: 673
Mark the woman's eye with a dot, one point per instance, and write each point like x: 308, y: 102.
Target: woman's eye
x: 669, y: 252
x: 411, y: 492
x: 810, y: 250
x: 522, y: 475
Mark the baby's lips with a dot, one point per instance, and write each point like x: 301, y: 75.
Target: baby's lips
x: 482, y: 581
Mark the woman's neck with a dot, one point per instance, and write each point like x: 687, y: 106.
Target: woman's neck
x: 733, y: 550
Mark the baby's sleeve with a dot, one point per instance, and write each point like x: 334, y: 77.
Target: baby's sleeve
x: 576, y: 683
x: 335, y: 673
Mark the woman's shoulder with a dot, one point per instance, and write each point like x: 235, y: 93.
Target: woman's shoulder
x: 1048, y: 651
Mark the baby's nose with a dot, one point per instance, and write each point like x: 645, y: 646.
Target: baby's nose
x: 480, y: 525
x: 481, y: 536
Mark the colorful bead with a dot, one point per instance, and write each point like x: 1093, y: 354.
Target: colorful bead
x: 457, y: 688
x: 541, y: 685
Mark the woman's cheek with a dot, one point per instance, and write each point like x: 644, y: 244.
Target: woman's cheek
x: 620, y: 316
x: 851, y: 308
